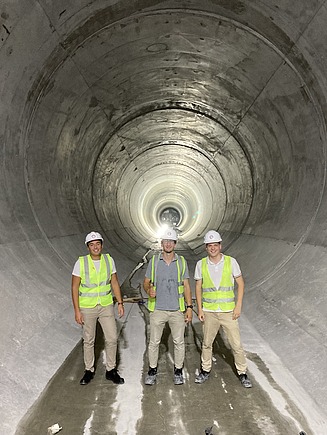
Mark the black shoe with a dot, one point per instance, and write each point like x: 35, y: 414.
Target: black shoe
x: 88, y: 376
x: 178, y: 377
x: 245, y: 381
x: 151, y: 377
x: 112, y: 375
x: 202, y: 377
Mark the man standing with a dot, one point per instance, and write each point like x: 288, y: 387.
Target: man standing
x: 214, y: 290
x: 93, y: 277
x: 167, y: 284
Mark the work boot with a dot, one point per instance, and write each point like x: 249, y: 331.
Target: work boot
x: 202, y: 377
x: 178, y: 377
x: 112, y: 375
x: 151, y: 377
x: 245, y: 381
x: 88, y: 376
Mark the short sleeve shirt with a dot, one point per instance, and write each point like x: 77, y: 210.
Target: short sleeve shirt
x: 216, y: 270
x: 77, y: 270
x: 166, y: 283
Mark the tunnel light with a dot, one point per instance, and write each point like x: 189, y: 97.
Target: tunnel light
x: 161, y: 230
x: 170, y: 216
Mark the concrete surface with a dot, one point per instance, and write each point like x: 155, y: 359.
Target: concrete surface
x: 220, y: 406
x: 111, y: 111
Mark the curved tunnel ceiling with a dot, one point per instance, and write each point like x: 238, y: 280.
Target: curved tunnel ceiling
x: 114, y: 111
x: 174, y: 108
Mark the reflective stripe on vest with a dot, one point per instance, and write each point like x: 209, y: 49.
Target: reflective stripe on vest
x: 180, y: 263
x: 95, y: 287
x: 223, y: 297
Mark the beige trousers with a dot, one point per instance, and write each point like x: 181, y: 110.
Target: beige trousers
x: 106, y: 318
x: 158, y: 320
x: 212, y: 323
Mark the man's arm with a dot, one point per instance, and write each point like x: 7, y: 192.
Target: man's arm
x: 116, y: 289
x: 76, y: 281
x: 239, y: 300
x: 188, y: 300
x: 148, y: 287
x: 198, y: 296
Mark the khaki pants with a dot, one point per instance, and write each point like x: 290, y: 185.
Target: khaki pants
x: 211, y: 325
x: 106, y: 318
x: 158, y: 320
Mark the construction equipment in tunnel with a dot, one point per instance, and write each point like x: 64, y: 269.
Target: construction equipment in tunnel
x: 129, y: 293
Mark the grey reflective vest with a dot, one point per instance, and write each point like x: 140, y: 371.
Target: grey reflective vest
x: 95, y: 287
x: 181, y: 265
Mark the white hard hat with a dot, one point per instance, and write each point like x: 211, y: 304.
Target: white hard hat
x: 169, y: 234
x: 212, y: 237
x: 93, y: 236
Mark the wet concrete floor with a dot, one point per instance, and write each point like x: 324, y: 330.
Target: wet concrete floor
x: 219, y: 406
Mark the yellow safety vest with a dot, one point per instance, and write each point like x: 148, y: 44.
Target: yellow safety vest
x: 223, y: 297
x: 180, y: 263
x: 95, y: 286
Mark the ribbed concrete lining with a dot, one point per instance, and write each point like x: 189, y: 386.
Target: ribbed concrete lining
x: 111, y: 111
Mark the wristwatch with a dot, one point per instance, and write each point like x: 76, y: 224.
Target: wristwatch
x: 189, y: 306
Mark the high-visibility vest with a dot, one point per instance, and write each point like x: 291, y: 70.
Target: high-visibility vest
x: 95, y: 287
x: 223, y: 297
x: 181, y: 265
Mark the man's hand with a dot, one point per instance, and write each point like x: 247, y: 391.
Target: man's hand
x: 236, y: 313
x: 79, y: 317
x: 201, y: 315
x: 188, y: 315
x: 152, y: 291
x: 120, y: 310
x: 148, y: 287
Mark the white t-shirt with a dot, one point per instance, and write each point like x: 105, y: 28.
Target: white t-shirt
x: 216, y: 271
x: 77, y: 270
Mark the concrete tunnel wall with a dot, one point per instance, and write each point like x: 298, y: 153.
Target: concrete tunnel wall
x: 111, y: 111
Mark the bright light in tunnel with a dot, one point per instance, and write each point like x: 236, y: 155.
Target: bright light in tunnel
x: 161, y: 230
x: 182, y: 184
x: 170, y: 216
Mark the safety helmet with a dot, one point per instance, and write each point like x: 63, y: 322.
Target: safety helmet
x: 212, y: 237
x: 169, y: 234
x: 93, y: 236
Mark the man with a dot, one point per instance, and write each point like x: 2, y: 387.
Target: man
x: 167, y: 284
x: 93, y: 278
x: 214, y: 290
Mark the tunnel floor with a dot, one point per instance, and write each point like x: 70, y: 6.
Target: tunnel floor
x: 220, y: 406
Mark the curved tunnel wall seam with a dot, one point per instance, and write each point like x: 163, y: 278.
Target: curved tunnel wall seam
x: 316, y: 94
x: 192, y: 12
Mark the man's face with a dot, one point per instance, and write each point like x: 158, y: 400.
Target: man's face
x: 168, y: 245
x: 95, y: 247
x: 213, y: 249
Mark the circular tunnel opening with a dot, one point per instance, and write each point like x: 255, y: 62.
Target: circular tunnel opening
x: 205, y: 121
x: 110, y: 116
x: 170, y: 216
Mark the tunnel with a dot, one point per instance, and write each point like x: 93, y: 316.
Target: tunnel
x: 117, y: 116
